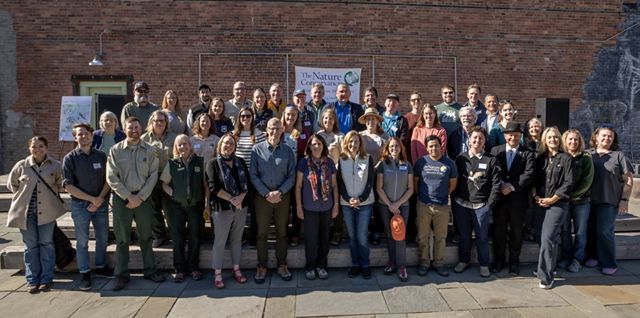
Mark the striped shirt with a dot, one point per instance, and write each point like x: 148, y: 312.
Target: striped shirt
x: 244, y: 145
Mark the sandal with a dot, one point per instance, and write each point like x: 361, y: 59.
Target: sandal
x: 179, y: 278
x: 196, y: 275
x: 238, y: 276
x: 218, y: 282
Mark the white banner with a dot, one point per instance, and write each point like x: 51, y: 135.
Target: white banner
x: 73, y: 110
x: 330, y: 78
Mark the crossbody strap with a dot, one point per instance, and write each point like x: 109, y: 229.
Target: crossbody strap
x: 57, y: 195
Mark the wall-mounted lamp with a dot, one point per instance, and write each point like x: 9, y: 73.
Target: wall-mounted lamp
x: 97, y: 59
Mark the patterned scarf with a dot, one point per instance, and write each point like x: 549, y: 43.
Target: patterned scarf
x: 324, y: 178
x: 229, y: 181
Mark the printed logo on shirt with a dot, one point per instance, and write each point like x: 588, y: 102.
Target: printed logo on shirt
x: 223, y: 129
x: 443, y: 169
x: 196, y: 169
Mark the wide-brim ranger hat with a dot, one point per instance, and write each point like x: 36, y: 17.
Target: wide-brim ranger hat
x: 370, y: 111
x: 512, y: 127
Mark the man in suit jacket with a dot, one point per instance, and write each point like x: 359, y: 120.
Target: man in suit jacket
x: 517, y: 169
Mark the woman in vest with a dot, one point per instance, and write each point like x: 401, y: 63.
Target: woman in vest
x: 394, y: 187
x: 183, y: 180
x: 355, y: 181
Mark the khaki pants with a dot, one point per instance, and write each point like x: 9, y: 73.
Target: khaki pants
x: 438, y: 215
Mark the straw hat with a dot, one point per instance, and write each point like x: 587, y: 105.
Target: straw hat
x: 370, y: 111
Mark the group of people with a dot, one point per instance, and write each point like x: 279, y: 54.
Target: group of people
x: 324, y: 168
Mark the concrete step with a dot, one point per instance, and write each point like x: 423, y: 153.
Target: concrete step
x: 627, y: 247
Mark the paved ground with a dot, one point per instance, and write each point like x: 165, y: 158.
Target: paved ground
x: 587, y: 294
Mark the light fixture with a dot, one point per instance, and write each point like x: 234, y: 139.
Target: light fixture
x: 97, y: 59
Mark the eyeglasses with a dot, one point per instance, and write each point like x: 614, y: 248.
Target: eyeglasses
x: 245, y: 116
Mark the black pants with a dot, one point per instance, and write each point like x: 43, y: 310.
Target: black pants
x: 296, y: 223
x: 508, y: 221
x: 185, y: 223
x: 160, y: 206
x: 316, y: 238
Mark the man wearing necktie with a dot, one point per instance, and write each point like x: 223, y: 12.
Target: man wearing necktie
x: 516, y: 165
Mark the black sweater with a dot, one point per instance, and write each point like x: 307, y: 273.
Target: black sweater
x: 478, y: 179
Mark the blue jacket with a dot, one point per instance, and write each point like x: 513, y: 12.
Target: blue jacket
x: 97, y: 137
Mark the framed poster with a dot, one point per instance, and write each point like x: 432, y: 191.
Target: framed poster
x: 73, y: 110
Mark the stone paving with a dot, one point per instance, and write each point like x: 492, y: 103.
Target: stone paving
x: 586, y: 294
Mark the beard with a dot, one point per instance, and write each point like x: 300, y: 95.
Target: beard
x: 141, y: 99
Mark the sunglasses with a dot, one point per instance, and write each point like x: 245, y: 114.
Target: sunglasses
x: 245, y: 116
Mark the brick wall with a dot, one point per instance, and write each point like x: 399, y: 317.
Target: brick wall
x: 518, y: 49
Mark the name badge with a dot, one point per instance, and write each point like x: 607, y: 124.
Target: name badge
x: 196, y: 169
x: 303, y: 137
x: 97, y: 165
x: 482, y: 166
x: 307, y: 123
x: 394, y: 128
x: 196, y: 146
x: 181, y: 168
x: 223, y: 129
x: 403, y: 167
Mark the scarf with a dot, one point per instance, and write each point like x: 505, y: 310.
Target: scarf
x: 324, y: 178
x: 227, y: 177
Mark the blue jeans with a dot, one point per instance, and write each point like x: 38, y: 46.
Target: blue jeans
x: 574, y: 249
x: 603, y: 226
x: 357, y: 221
x: 39, y: 252
x: 476, y: 220
x: 81, y: 220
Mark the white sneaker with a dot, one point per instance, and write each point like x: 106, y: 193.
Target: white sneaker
x: 543, y: 286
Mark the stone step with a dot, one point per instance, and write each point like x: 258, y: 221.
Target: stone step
x: 627, y: 247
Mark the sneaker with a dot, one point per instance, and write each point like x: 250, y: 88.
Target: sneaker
x: 422, y: 270
x: 574, y: 267
x: 590, y: 263
x: 609, y: 270
x: 390, y: 269
x: 284, y: 273
x: 441, y: 270
x: 402, y: 273
x: 294, y: 241
x: 261, y: 274
x: 121, y: 282
x: 545, y: 286
x: 310, y: 275
x: 496, y: 267
x: 484, y: 271
x: 461, y: 267
x: 85, y: 281
x: 353, y: 272
x: 105, y: 272
x: 366, y: 272
x: 322, y: 273
x: 155, y: 277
